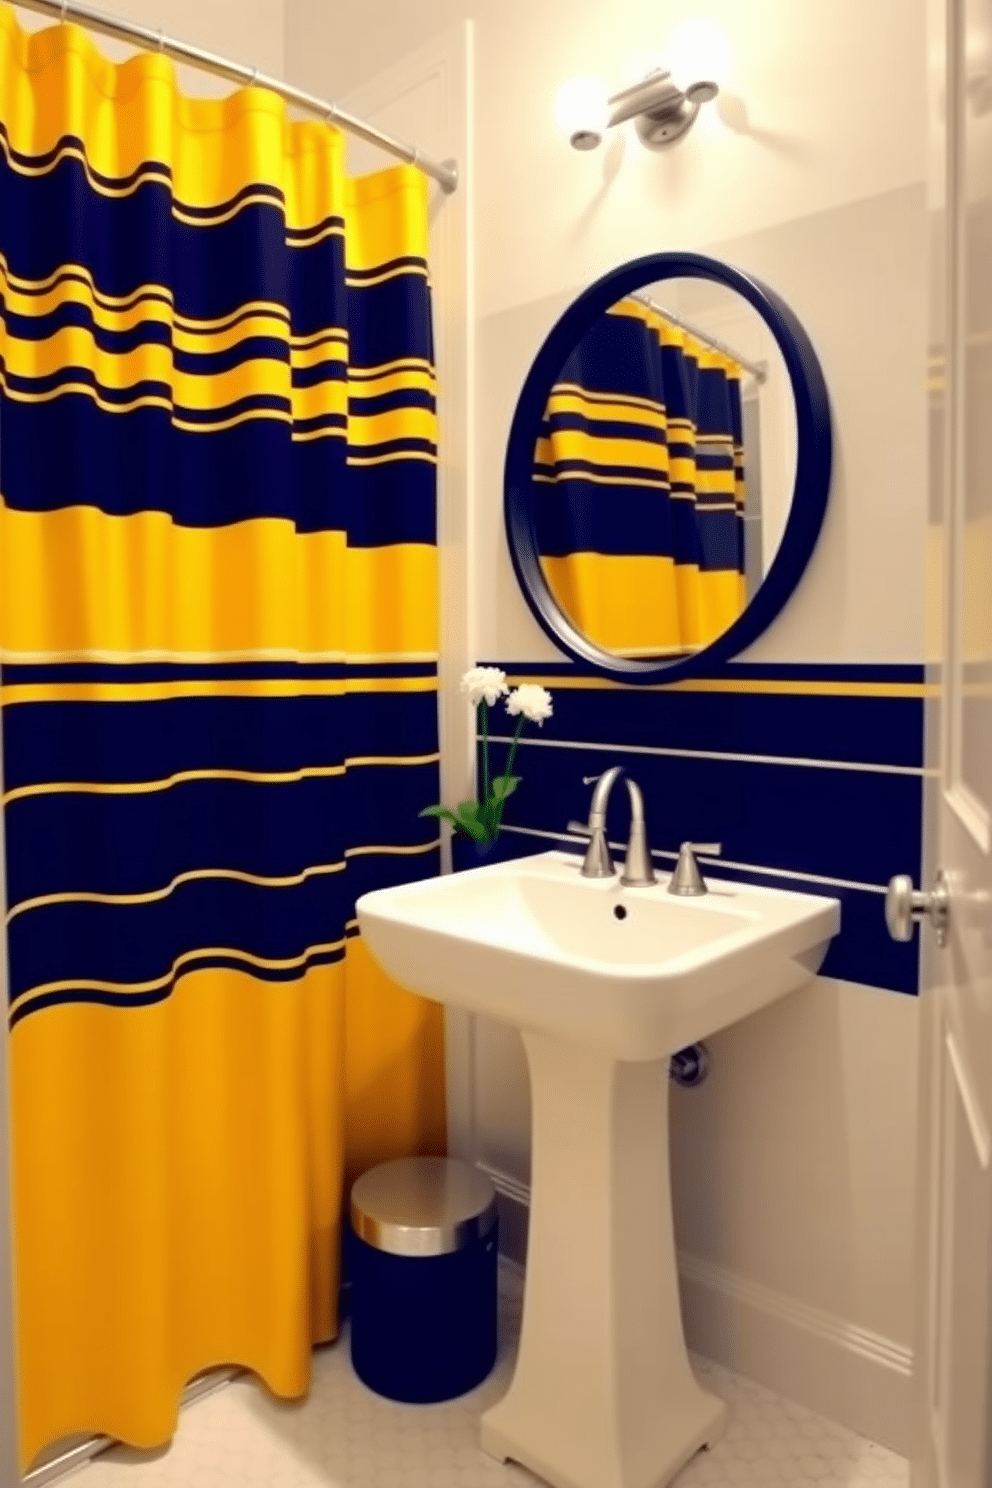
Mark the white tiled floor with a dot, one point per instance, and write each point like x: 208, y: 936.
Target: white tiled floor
x: 344, y: 1436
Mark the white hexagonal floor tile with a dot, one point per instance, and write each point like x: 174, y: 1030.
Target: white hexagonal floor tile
x: 344, y: 1436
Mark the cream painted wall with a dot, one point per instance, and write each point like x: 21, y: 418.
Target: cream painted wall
x: 854, y: 274
x: 769, y: 179
x: 806, y: 126
x: 248, y: 31
x: 793, y: 1168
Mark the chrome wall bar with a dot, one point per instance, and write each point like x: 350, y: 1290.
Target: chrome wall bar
x: 756, y: 369
x: 445, y: 172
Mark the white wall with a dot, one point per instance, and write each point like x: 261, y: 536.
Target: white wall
x: 760, y: 181
x: 854, y: 275
x: 793, y: 1167
x: 249, y: 31
x: 812, y: 1105
x: 808, y: 176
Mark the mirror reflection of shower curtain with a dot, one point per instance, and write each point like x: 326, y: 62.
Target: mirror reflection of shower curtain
x: 640, y: 487
x: 218, y: 619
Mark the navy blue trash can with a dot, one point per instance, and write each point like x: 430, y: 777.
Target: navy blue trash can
x: 423, y: 1247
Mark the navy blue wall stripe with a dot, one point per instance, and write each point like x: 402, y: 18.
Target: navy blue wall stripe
x: 745, y: 671
x: 836, y: 822
x: 862, y: 730
x: 777, y: 816
x: 863, y: 952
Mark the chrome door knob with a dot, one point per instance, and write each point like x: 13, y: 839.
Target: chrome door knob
x: 905, y: 905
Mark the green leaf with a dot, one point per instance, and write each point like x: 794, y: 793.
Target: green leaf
x: 472, y: 828
x: 467, y: 822
x: 487, y: 816
x: 505, y: 785
x: 442, y: 811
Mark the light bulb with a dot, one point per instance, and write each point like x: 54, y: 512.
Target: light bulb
x: 699, y: 52
x: 582, y: 111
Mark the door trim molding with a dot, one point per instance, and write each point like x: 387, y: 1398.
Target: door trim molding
x: 969, y: 1099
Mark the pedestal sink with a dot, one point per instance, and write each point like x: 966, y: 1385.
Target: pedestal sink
x: 604, y: 983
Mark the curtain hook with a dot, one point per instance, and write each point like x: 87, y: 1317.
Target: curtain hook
x: 161, y: 39
x: 254, y: 77
x: 65, y: 10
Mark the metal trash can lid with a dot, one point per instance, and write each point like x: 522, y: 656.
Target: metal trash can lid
x: 422, y: 1206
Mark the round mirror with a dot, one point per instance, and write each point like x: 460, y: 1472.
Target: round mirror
x: 668, y: 467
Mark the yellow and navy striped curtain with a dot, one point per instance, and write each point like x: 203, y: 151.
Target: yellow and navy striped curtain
x: 218, y: 628
x: 640, y: 479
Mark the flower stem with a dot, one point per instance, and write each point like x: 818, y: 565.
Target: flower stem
x: 513, y: 747
x: 484, y: 711
x: 509, y: 770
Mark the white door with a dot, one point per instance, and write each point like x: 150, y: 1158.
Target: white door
x: 955, y: 1234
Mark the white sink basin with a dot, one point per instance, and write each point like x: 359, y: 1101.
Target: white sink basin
x: 605, y: 983
x: 637, y: 972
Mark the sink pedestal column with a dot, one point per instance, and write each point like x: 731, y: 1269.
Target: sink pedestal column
x: 603, y: 1395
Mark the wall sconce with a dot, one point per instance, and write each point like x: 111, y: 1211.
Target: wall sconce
x: 664, y: 105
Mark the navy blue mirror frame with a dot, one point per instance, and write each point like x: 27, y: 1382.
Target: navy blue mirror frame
x: 814, y: 447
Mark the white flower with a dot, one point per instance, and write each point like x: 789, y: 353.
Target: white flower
x: 484, y: 682
x: 532, y: 701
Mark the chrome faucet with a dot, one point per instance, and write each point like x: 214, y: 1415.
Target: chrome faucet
x: 638, y: 870
x: 687, y: 880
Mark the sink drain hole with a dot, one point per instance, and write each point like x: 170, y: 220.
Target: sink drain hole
x: 619, y: 912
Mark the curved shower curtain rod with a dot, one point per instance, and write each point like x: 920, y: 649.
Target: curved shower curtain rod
x: 444, y: 171
x: 758, y: 370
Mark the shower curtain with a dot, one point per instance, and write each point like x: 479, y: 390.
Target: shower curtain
x: 640, y: 478
x: 218, y: 629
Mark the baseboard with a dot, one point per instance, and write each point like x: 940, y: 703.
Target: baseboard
x: 836, y: 1368
x: 513, y: 1203
x: 840, y: 1370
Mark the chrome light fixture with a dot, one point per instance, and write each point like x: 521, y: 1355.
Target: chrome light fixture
x: 662, y: 111
x: 664, y: 104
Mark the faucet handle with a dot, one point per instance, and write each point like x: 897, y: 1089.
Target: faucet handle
x: 597, y: 863
x: 687, y: 879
